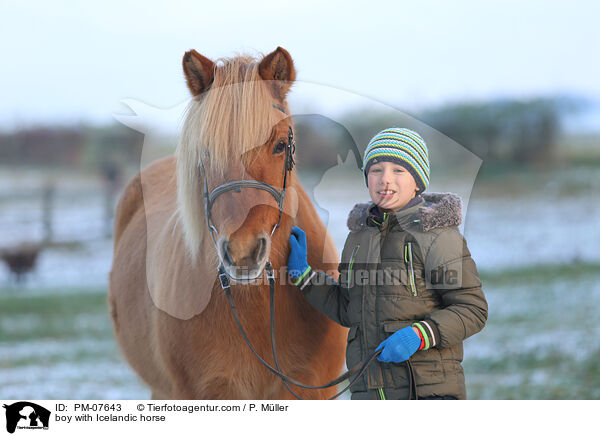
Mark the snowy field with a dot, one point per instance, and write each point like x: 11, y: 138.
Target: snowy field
x: 534, y: 251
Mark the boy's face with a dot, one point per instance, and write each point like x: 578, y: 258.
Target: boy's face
x: 391, y: 186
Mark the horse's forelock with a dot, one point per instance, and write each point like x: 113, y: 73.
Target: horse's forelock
x: 234, y: 116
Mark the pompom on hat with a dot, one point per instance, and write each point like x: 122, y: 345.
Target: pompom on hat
x: 403, y: 147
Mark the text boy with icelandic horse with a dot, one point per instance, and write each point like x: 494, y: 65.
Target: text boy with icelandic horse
x: 408, y: 285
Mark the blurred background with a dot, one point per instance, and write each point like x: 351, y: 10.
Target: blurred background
x: 505, y: 93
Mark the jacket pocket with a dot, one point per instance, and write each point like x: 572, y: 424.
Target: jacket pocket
x: 349, y: 280
x: 428, y: 372
x: 390, y: 327
x: 353, y: 357
x: 410, y: 269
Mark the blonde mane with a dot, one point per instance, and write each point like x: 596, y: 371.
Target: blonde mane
x: 234, y: 116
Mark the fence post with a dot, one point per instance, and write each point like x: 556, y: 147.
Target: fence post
x: 111, y: 174
x: 48, y: 194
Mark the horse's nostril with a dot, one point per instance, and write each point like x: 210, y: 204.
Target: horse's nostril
x: 261, y: 248
x: 225, y: 250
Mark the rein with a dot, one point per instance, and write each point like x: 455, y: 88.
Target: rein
x: 359, y: 369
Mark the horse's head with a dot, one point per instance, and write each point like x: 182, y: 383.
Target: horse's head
x: 237, y: 129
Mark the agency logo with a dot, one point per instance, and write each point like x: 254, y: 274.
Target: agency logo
x: 26, y: 415
x: 329, y: 151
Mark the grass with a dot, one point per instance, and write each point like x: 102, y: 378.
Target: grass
x: 540, y: 341
x: 531, y: 375
x: 68, y: 337
x: 540, y: 274
x: 53, y: 316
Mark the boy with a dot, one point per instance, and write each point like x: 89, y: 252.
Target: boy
x: 408, y: 285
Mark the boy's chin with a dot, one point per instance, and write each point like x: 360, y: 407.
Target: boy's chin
x: 383, y: 205
x: 388, y: 205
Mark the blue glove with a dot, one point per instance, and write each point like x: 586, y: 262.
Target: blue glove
x: 297, y: 263
x: 400, y: 346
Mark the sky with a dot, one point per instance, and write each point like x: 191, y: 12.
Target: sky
x: 67, y: 62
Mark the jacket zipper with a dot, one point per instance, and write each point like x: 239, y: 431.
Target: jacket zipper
x: 409, y: 265
x: 383, y: 234
x: 351, y: 263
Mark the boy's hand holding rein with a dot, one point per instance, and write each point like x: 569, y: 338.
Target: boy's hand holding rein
x: 400, y: 346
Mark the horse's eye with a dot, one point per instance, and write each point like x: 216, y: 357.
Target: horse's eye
x: 280, y: 147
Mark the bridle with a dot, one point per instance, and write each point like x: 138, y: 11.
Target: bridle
x: 225, y: 278
x: 238, y: 185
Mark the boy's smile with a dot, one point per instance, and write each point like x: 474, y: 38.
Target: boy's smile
x: 391, y: 186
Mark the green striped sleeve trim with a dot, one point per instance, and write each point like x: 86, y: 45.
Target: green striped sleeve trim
x: 307, y: 280
x: 424, y: 333
x: 304, y: 274
x: 433, y: 341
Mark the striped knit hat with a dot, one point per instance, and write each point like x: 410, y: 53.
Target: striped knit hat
x: 401, y: 146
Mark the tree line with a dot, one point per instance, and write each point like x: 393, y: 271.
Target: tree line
x: 500, y: 131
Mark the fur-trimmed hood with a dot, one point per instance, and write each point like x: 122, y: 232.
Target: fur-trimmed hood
x: 438, y: 209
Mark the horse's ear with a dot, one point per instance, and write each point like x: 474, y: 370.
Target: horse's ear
x: 199, y: 72
x: 278, y: 66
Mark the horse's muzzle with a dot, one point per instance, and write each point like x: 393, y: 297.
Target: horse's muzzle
x: 245, y: 264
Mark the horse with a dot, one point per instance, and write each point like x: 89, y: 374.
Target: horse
x: 170, y: 316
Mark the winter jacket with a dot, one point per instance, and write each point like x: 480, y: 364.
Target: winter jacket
x: 411, y: 266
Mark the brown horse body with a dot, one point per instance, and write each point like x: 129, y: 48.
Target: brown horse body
x: 171, y: 317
